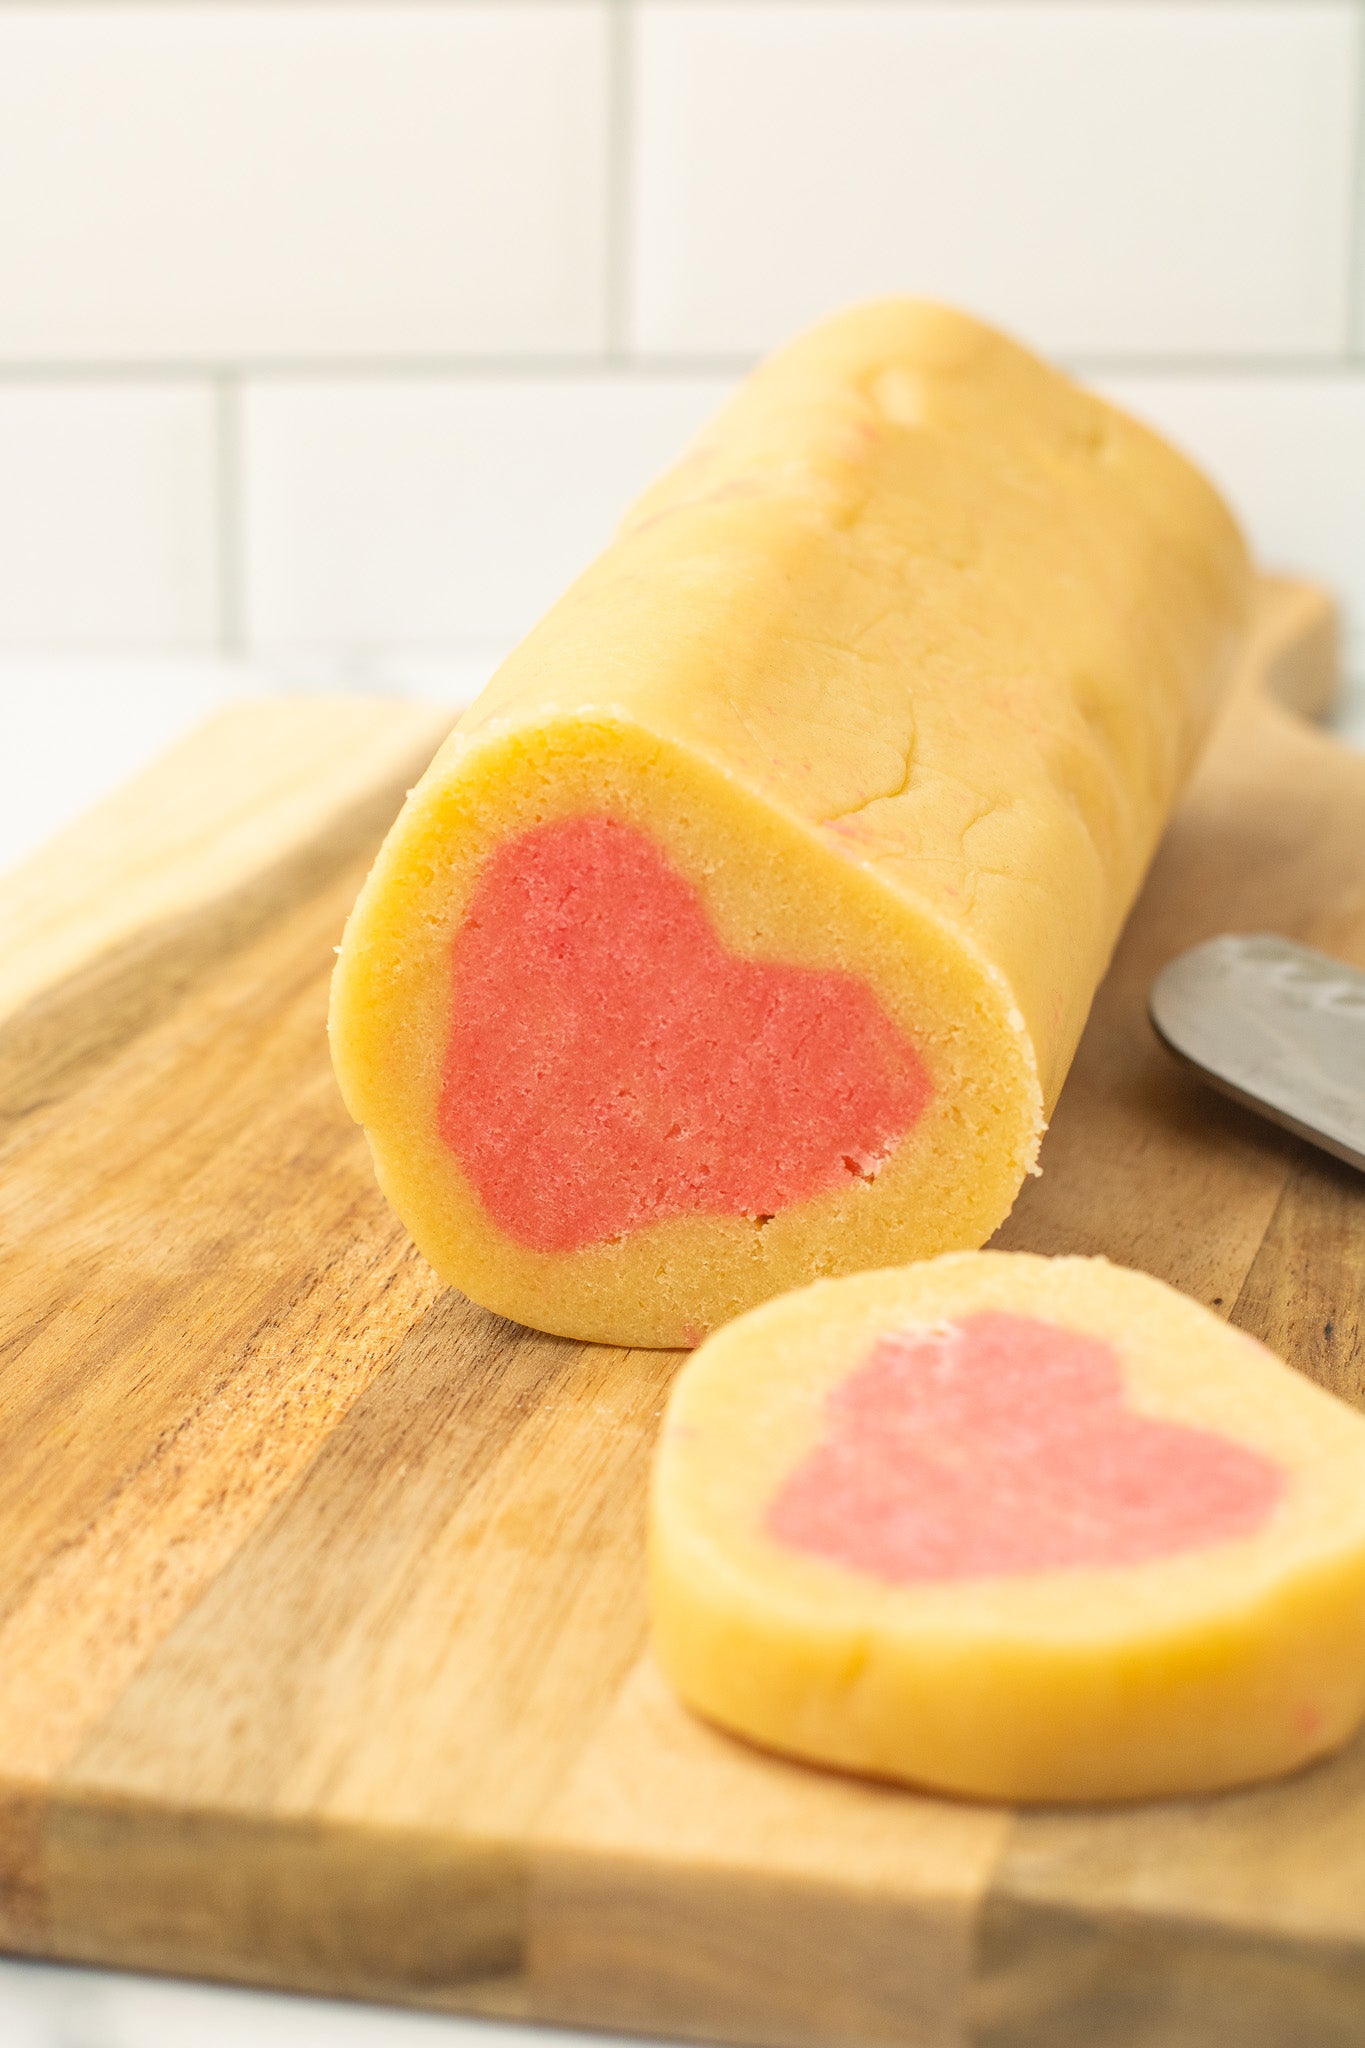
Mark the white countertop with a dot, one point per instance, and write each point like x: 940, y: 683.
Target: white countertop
x: 51, y: 2005
x: 72, y: 727
x: 70, y: 730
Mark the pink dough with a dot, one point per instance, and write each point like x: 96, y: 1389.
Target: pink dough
x: 1001, y: 1445
x: 611, y: 1065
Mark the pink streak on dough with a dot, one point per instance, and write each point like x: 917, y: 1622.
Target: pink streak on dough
x: 1001, y: 1445
x: 611, y: 1065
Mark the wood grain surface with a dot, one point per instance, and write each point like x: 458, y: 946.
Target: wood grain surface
x: 323, y: 1651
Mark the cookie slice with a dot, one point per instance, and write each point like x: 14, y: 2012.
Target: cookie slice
x: 1014, y: 1527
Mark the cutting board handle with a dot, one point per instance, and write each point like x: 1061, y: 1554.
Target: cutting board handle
x: 1293, y: 652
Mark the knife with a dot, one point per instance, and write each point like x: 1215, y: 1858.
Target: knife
x: 1278, y: 1027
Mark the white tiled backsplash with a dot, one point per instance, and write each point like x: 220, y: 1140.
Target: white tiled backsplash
x: 340, y: 334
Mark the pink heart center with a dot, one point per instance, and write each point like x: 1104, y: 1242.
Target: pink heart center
x: 1001, y: 1445
x: 611, y: 1065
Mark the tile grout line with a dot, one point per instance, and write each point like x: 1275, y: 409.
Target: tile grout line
x: 829, y: 6
x: 657, y: 364
x: 229, y: 513
x: 620, y: 91
x: 1355, y: 247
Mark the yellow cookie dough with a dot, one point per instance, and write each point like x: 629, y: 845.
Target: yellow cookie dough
x: 744, y: 929
x: 1013, y: 1527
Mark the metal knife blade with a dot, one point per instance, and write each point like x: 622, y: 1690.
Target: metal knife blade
x: 1276, y: 1026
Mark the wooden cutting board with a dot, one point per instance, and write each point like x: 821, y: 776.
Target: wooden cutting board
x: 323, y: 1653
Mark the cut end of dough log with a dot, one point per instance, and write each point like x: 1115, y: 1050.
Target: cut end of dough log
x: 665, y: 1054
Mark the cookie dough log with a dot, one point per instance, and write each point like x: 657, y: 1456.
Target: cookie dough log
x: 1012, y: 1527
x: 744, y: 929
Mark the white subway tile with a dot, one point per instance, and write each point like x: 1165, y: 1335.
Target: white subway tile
x: 1358, y: 251
x: 433, y: 511
x: 1117, y: 177
x: 273, y: 180
x: 1289, y: 453
x: 107, y: 515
